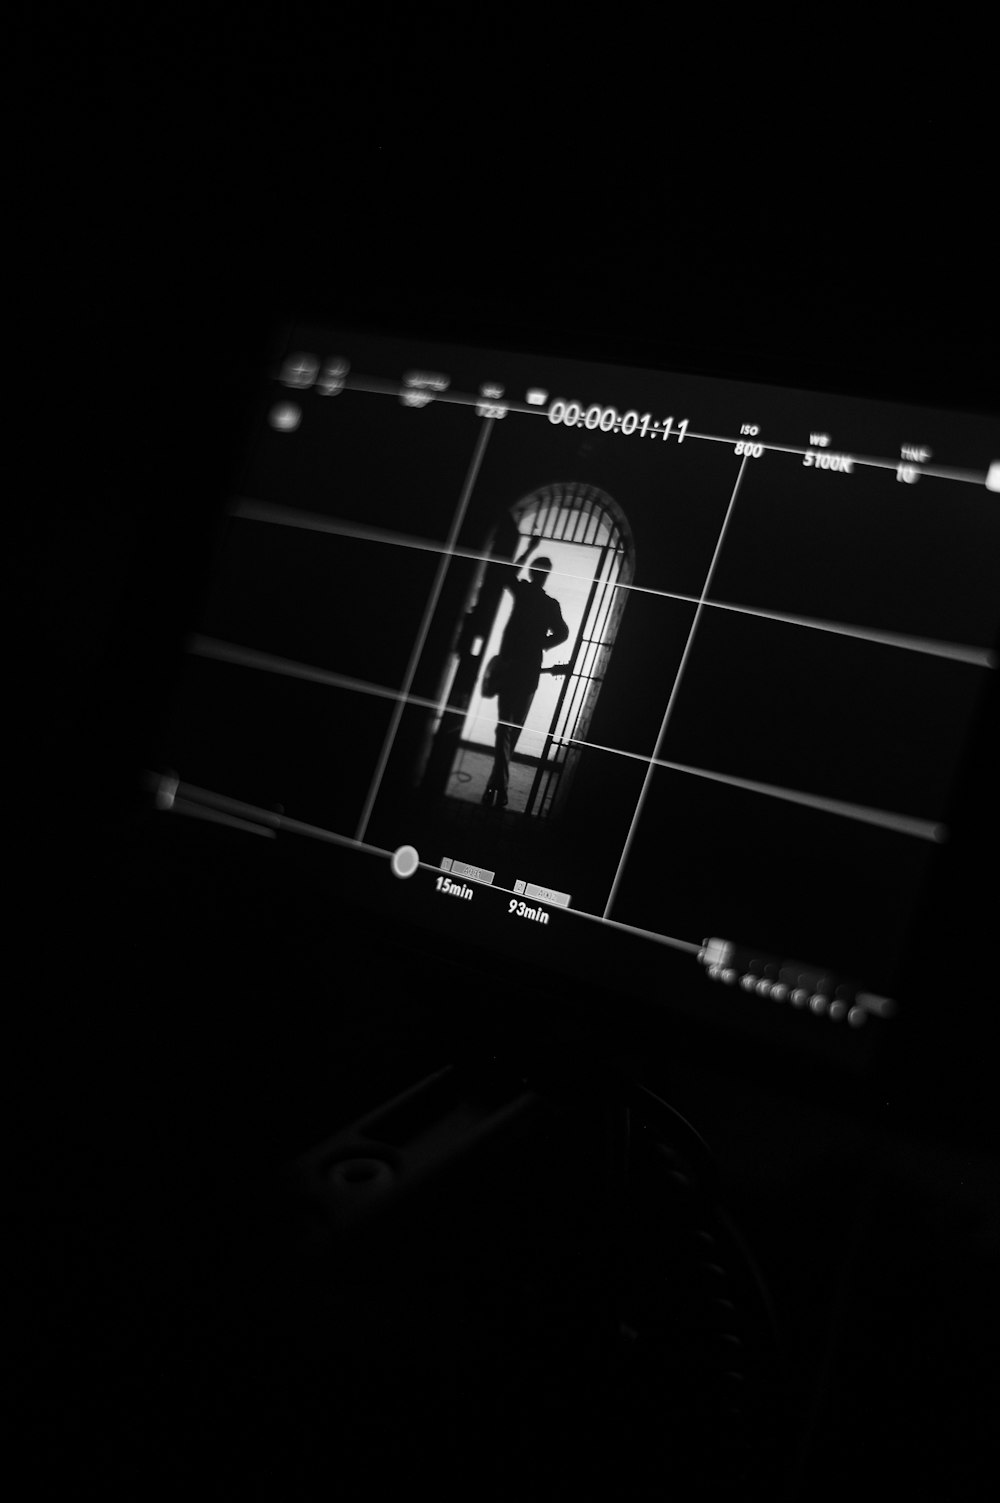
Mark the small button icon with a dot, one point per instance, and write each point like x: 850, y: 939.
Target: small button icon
x: 331, y: 382
x: 300, y: 370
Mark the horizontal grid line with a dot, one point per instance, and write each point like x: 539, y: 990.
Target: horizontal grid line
x: 228, y: 652
x: 256, y: 511
x: 192, y: 797
x: 385, y: 388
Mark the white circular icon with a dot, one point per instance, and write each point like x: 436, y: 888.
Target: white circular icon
x: 285, y: 416
x: 404, y: 861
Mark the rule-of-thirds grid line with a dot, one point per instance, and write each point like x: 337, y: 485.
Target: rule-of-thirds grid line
x: 385, y: 388
x: 678, y: 676
x: 255, y: 511
x: 418, y: 646
x: 263, y: 662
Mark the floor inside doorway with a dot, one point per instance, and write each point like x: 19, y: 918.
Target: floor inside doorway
x: 471, y: 773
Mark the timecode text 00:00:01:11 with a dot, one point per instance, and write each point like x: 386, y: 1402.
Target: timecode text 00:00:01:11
x: 573, y: 415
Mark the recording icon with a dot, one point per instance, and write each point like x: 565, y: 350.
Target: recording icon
x: 535, y: 397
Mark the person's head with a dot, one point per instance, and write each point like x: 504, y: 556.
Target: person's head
x: 540, y: 570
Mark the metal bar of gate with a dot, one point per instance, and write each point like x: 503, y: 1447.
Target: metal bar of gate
x: 572, y: 706
x: 594, y: 622
x: 536, y: 781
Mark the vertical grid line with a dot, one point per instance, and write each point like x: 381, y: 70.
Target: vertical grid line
x: 673, y: 695
x: 418, y: 646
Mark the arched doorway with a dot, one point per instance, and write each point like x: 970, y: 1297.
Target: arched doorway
x: 586, y: 535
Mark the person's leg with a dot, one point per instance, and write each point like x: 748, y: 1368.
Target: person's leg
x: 513, y: 705
x: 503, y: 746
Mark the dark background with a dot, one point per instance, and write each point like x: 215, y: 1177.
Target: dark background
x: 178, y: 1028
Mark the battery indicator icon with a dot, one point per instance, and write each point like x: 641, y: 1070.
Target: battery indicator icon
x: 535, y: 397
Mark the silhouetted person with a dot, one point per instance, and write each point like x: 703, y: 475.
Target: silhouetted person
x: 536, y: 624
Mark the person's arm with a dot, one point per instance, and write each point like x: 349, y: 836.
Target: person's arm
x: 556, y: 633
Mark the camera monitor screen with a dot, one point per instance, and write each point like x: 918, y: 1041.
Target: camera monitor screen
x: 598, y: 669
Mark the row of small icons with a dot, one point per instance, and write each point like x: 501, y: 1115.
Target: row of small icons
x: 329, y: 377
x: 521, y: 888
x: 800, y: 986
